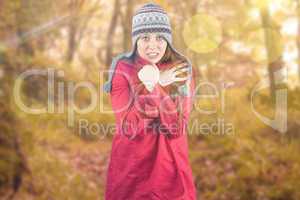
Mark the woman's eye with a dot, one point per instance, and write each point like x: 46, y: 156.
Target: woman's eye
x: 159, y: 38
x: 145, y: 38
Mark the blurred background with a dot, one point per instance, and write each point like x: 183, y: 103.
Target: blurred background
x: 244, y: 130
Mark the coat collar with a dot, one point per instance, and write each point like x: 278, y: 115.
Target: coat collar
x: 139, y: 62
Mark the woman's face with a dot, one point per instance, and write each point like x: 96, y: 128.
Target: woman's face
x: 151, y: 47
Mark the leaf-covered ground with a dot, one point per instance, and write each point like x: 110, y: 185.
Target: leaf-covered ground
x: 254, y: 163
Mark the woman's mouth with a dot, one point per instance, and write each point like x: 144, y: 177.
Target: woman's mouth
x: 152, y: 55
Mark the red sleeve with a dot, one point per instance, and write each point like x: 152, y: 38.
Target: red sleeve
x: 133, y: 112
x: 173, y: 118
x: 186, y: 104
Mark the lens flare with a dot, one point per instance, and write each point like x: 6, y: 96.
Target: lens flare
x: 202, y: 33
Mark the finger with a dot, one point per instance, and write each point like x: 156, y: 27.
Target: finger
x: 188, y: 76
x: 181, y: 71
x: 177, y: 67
x: 179, y: 62
x: 182, y: 66
x: 182, y: 78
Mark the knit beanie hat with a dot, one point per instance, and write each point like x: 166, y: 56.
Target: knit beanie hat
x: 151, y: 18
x: 148, y: 18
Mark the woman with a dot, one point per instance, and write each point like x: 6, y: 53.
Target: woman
x: 151, y: 96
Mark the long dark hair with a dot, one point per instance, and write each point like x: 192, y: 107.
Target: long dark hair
x: 171, y: 58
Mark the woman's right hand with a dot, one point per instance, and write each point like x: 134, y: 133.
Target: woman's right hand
x: 168, y: 76
x: 149, y: 76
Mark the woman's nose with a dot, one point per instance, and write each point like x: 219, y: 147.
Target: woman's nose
x: 152, y: 47
x: 153, y: 44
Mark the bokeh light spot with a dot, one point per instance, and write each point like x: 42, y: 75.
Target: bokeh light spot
x: 202, y: 33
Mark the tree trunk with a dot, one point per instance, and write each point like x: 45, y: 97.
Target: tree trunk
x: 78, y: 24
x: 71, y: 41
x: 272, y: 65
x: 126, y: 19
x: 298, y: 37
x: 111, y: 32
x: 22, y: 26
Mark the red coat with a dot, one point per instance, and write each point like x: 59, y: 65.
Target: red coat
x: 148, y: 163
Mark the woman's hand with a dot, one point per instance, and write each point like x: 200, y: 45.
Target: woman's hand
x: 169, y: 76
x: 149, y: 76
